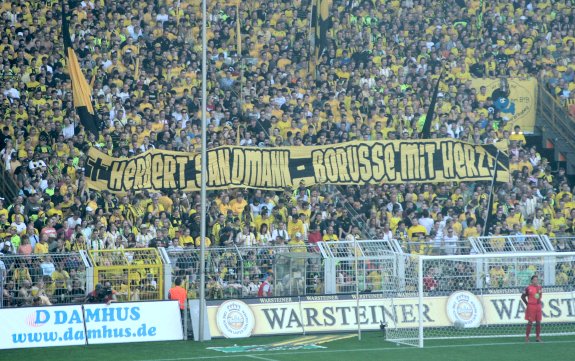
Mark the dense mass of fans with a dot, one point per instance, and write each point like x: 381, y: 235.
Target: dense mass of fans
x: 373, y: 81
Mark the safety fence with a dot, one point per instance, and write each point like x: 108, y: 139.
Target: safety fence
x: 238, y: 272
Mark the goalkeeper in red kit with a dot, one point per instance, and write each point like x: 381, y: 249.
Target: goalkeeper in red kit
x: 533, y: 313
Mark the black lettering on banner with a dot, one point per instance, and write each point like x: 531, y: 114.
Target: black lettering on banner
x: 389, y: 314
x: 554, y: 308
x: 147, y: 180
x: 129, y: 174
x: 274, y: 317
x: 214, y: 177
x: 140, y: 171
x: 169, y: 172
x: 471, y: 168
x: 311, y: 316
x: 447, y: 161
x: 281, y: 169
x: 459, y: 160
x: 410, y: 162
x: 503, y: 307
x: 116, y: 181
x: 426, y: 310
x: 570, y: 306
x: 224, y: 163
x: 378, y: 166
x: 331, y: 167
x: 251, y: 176
x: 389, y: 157
x: 407, y: 313
x: 329, y: 318
x: 190, y: 174
x: 343, y: 170
x: 294, y: 320
x: 238, y: 167
x: 266, y: 172
x: 180, y: 173
x: 320, y: 173
x: 364, y: 164
x: 157, y: 171
x: 278, y: 168
x: 484, y: 171
x: 429, y: 150
x: 343, y: 311
x: 352, y: 158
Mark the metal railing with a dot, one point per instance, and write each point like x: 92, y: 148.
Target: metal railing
x: 512, y: 244
x: 237, y: 272
x: 45, y: 279
x: 8, y: 188
x: 555, y: 116
x: 563, y: 243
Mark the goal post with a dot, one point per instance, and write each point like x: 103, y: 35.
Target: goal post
x: 479, y: 296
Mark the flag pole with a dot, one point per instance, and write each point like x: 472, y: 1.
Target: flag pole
x: 204, y: 177
x: 490, y: 201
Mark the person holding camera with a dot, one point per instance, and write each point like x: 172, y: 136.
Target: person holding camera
x: 102, y: 294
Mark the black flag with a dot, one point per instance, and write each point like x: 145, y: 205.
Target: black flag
x: 426, y: 133
x: 81, y: 91
x: 489, y: 217
x: 322, y: 26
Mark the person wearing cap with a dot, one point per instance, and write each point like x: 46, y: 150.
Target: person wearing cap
x: 297, y: 244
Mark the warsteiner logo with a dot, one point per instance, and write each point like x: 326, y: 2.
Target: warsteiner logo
x: 464, y: 307
x: 235, y: 319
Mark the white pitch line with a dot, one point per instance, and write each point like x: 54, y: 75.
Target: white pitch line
x: 356, y: 350
x: 260, y: 358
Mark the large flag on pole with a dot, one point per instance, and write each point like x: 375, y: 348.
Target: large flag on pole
x: 81, y: 91
x: 426, y: 133
x: 322, y: 25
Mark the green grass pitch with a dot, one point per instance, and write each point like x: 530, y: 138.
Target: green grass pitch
x: 371, y: 347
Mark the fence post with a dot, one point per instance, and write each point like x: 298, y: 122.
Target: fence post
x: 167, y: 270
x: 2, y: 282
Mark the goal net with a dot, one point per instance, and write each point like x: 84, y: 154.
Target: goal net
x: 479, y: 296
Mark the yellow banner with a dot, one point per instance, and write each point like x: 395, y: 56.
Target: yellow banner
x: 514, y: 99
x: 394, y: 162
x: 269, y: 316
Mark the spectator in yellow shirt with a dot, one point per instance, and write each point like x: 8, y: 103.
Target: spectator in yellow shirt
x: 416, y: 230
x: 329, y: 235
x: 238, y: 204
x: 42, y: 246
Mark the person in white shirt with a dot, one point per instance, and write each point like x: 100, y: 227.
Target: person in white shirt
x: 146, y: 235
x: 68, y: 129
x: 245, y: 238
x: 449, y: 242
x: 426, y: 220
x: 162, y: 16
x: 19, y: 224
x: 74, y: 220
x: 281, y: 232
x: 387, y: 234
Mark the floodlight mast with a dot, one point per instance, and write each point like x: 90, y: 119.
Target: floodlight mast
x: 204, y: 177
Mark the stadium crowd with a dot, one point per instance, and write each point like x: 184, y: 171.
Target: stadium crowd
x: 374, y: 82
